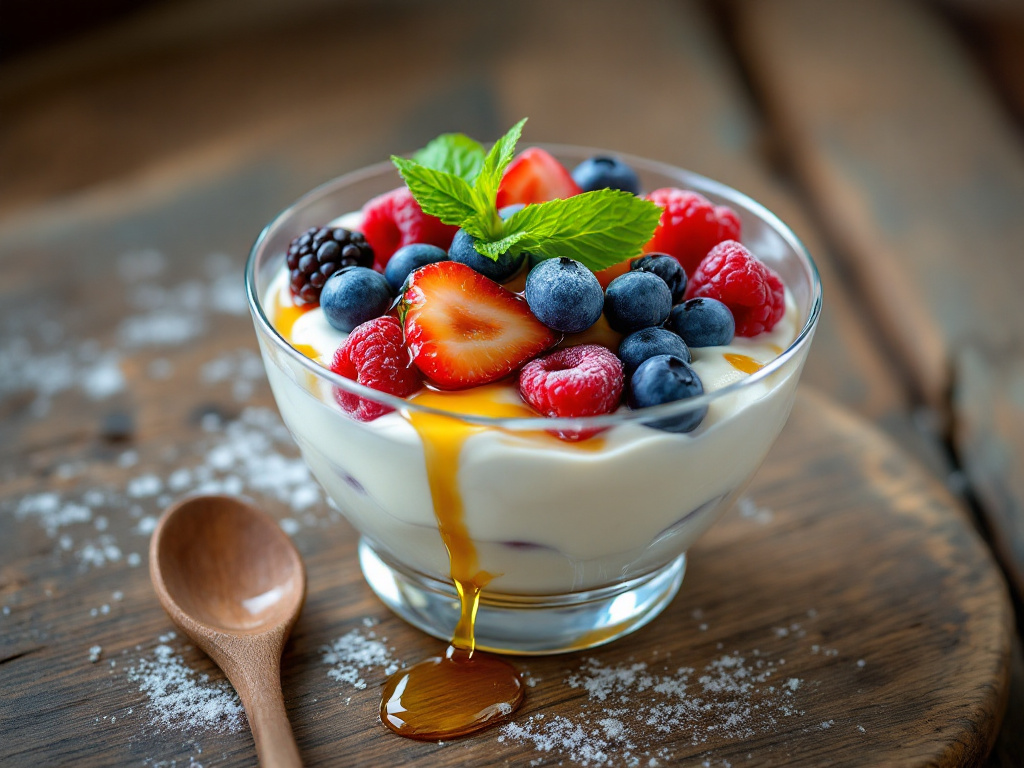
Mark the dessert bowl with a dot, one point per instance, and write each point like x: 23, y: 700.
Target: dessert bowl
x: 573, y: 544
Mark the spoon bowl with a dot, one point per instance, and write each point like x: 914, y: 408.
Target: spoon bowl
x: 232, y: 580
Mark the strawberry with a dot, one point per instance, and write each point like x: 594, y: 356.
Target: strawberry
x: 534, y: 176
x: 464, y: 330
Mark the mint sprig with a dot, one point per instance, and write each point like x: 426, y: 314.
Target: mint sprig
x: 453, y: 179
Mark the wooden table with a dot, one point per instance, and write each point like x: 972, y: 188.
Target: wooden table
x: 139, y: 160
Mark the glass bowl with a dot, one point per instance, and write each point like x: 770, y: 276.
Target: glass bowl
x: 573, y: 544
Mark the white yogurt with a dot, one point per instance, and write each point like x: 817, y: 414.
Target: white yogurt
x: 546, y: 516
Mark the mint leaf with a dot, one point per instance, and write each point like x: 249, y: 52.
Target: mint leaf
x: 597, y: 229
x: 445, y: 195
x: 453, y: 153
x: 494, y: 166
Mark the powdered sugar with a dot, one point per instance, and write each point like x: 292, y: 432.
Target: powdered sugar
x: 179, y: 698
x: 356, y: 653
x: 252, y: 454
x: 631, y: 708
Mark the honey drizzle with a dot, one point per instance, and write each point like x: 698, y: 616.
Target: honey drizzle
x: 743, y: 363
x: 463, y: 691
x: 285, y: 314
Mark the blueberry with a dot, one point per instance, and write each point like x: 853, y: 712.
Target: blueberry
x: 703, y: 322
x: 646, y: 343
x: 668, y: 269
x: 637, y: 300
x: 463, y: 251
x: 408, y: 258
x: 510, y: 210
x: 602, y: 172
x: 354, y: 295
x: 564, y: 295
x: 666, y: 379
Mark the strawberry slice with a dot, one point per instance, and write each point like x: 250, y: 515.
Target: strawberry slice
x: 464, y: 330
x: 534, y: 176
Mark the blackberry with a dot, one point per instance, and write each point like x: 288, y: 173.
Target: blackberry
x: 318, y: 253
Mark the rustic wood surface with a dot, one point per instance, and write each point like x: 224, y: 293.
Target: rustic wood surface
x: 918, y: 173
x: 139, y: 160
x: 856, y: 595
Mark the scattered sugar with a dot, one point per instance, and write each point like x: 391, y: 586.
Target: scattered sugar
x: 861, y: 663
x: 356, y: 653
x: 244, y: 369
x: 128, y: 459
x: 181, y: 699
x: 750, y: 510
x: 629, y: 708
x: 94, y: 653
x: 144, y: 485
x: 51, y: 512
x: 146, y: 525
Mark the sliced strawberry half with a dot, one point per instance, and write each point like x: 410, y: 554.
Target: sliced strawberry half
x: 535, y: 176
x: 464, y: 330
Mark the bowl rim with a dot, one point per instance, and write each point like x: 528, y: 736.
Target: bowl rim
x: 665, y: 411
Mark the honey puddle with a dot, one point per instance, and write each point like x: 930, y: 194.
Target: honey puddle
x: 464, y: 690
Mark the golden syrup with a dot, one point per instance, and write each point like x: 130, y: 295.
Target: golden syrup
x: 743, y: 362
x: 449, y: 696
x: 285, y: 313
x: 464, y: 690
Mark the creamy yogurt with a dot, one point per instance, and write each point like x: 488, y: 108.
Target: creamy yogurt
x: 544, y: 516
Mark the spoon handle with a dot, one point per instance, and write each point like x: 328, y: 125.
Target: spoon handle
x: 275, y: 742
x: 259, y: 687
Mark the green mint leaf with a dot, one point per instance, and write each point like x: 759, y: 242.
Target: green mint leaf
x: 453, y: 153
x: 597, y: 229
x: 494, y: 166
x: 445, y: 195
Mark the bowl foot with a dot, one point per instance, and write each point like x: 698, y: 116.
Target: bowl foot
x: 524, y: 624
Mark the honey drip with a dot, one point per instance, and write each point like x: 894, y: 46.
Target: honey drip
x: 286, y: 313
x: 464, y: 690
x: 743, y: 362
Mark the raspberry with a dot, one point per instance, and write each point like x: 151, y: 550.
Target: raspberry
x: 318, y: 253
x: 374, y: 356
x: 395, y: 219
x: 585, y: 380
x: 690, y: 226
x: 750, y: 288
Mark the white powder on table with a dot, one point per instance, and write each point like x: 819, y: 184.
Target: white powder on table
x: 630, y: 708
x: 180, y: 699
x: 356, y: 653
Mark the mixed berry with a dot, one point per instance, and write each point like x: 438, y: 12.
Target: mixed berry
x: 494, y: 290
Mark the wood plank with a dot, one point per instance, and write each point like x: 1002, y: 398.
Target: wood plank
x: 917, y: 171
x: 841, y: 654
x: 989, y: 439
x: 920, y: 179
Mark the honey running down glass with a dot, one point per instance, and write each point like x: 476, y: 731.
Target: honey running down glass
x: 554, y: 545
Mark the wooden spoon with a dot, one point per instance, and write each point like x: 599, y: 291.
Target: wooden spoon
x: 232, y: 580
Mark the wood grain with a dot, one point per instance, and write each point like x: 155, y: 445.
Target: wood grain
x: 916, y: 169
x: 831, y: 578
x: 183, y: 131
